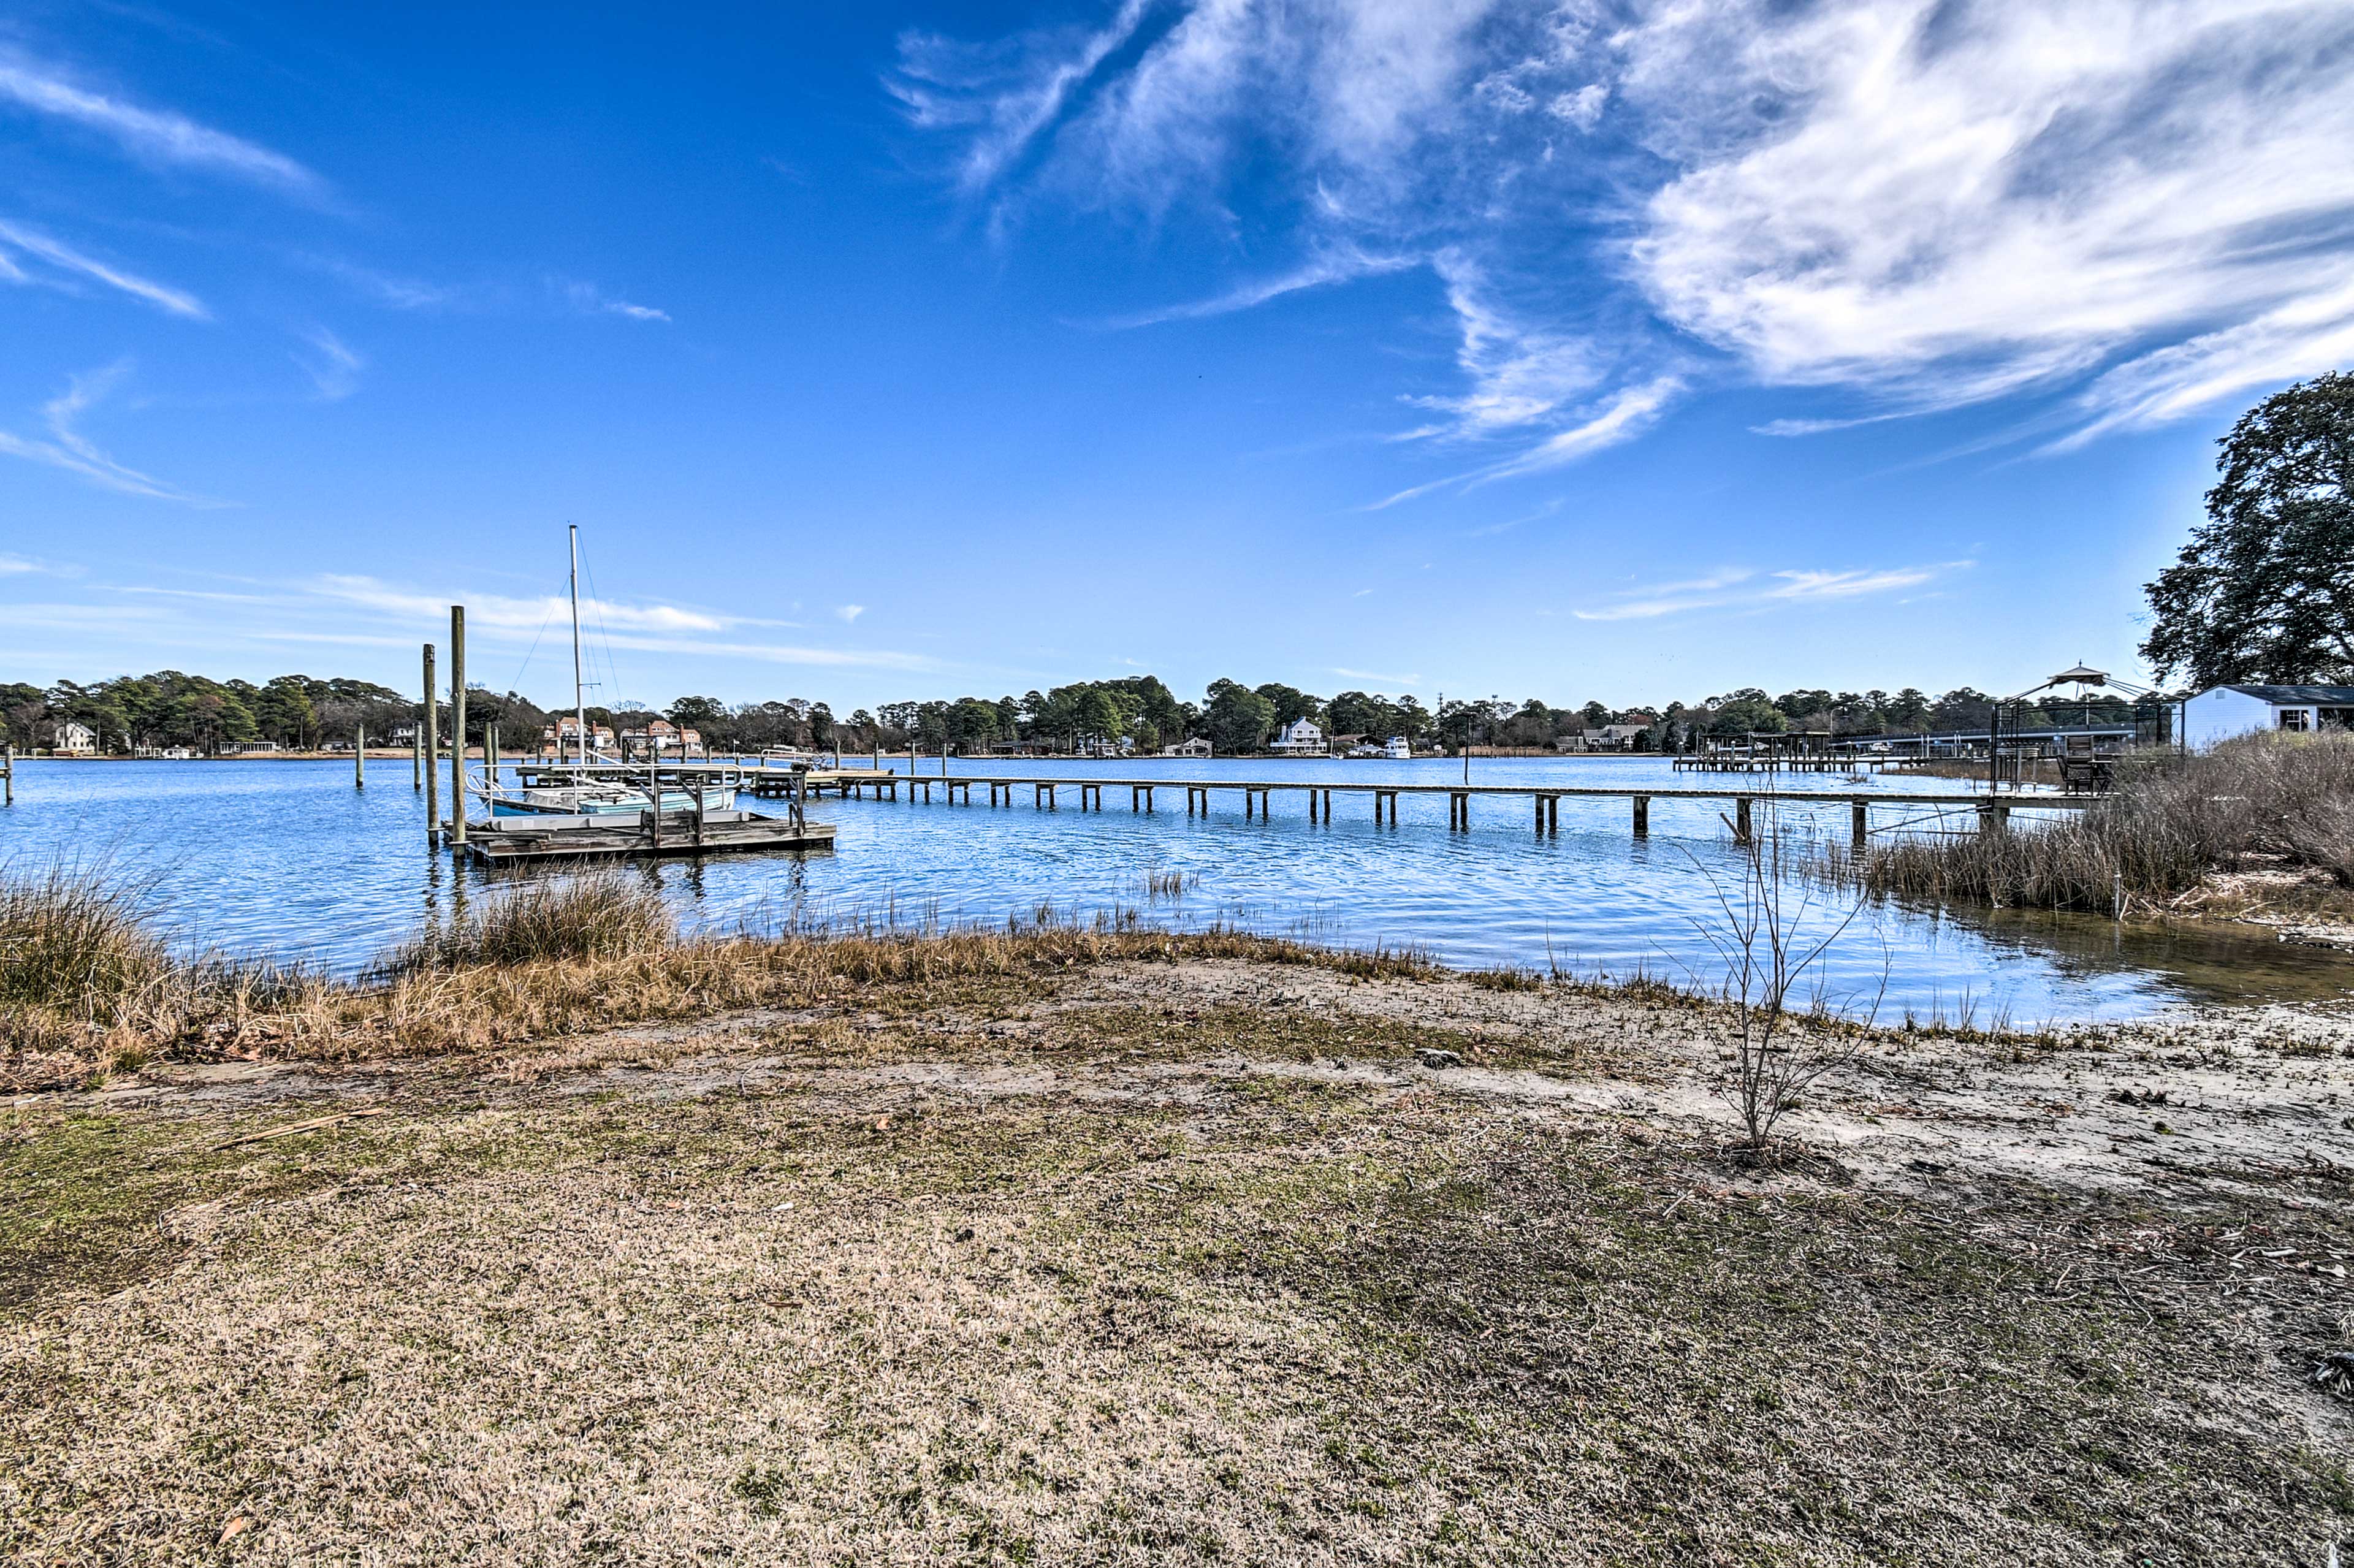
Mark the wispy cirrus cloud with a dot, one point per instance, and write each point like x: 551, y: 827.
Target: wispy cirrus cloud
x: 1349, y: 674
x: 390, y: 290
x: 333, y: 366
x: 1905, y: 205
x: 65, y: 447
x: 1745, y: 588
x: 74, y: 264
x: 1321, y: 271
x: 505, y: 612
x: 159, y: 136
x: 590, y: 300
x: 13, y: 565
x: 1621, y: 415
x: 620, y: 625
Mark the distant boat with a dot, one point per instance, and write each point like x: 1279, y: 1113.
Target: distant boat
x: 597, y: 786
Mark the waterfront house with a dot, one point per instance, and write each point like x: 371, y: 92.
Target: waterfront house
x: 2220, y: 712
x: 565, y: 735
x: 1300, y: 737
x: 1604, y: 737
x: 76, y: 740
x: 1196, y: 747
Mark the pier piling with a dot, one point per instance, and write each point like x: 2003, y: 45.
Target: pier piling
x: 1642, y: 816
x: 359, y: 757
x: 458, y: 724
x: 1740, y: 826
x: 429, y: 737
x: 1860, y: 821
x: 7, y: 776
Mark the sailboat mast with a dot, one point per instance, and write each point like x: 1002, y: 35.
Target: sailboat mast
x: 579, y: 704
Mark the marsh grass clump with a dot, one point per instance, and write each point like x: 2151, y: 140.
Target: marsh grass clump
x: 2264, y: 802
x: 78, y: 943
x: 89, y: 986
x: 598, y: 916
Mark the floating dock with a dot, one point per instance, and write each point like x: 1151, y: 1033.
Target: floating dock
x: 506, y: 841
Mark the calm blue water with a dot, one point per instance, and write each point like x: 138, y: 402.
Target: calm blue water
x: 286, y: 859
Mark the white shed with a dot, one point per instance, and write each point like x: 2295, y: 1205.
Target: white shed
x: 2220, y: 712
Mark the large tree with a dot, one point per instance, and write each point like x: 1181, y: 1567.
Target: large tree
x: 2264, y: 591
x: 1237, y: 719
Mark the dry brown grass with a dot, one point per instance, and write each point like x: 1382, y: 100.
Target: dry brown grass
x: 540, y: 962
x: 2268, y: 800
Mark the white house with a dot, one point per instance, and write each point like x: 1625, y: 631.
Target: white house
x: 76, y: 739
x: 2220, y: 712
x: 1196, y: 747
x: 1300, y: 737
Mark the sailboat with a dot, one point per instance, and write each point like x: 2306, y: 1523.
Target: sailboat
x: 596, y: 786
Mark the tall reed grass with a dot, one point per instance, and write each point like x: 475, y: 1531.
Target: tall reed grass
x: 598, y: 914
x: 86, y: 975
x: 2260, y: 802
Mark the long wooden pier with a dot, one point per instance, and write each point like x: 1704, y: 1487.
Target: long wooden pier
x: 1993, y: 812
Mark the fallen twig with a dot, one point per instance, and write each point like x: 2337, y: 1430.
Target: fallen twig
x: 313, y: 1125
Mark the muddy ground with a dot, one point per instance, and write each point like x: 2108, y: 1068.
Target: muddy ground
x: 1196, y: 1262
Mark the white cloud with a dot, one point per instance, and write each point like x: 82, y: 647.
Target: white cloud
x: 1349, y: 674
x: 1335, y: 267
x: 850, y: 612
x: 1582, y: 108
x: 2144, y: 204
x: 506, y: 613
x: 1005, y: 96
x: 1742, y: 588
x: 66, y: 448
x: 63, y: 257
x: 332, y: 366
x: 1936, y: 203
x: 158, y: 137
x: 387, y: 289
x: 1621, y: 417
x: 2304, y: 337
x: 591, y: 301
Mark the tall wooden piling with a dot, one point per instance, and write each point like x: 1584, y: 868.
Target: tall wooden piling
x: 1642, y: 816
x: 458, y: 724
x: 7, y: 776
x: 417, y: 756
x: 428, y: 737
x: 1860, y: 821
x: 359, y: 758
x: 1742, y: 830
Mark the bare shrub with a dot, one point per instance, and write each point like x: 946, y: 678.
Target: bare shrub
x: 1771, y: 939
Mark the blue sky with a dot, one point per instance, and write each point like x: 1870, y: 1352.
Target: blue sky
x: 1633, y: 351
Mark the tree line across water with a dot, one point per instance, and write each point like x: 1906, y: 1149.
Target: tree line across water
x: 171, y: 709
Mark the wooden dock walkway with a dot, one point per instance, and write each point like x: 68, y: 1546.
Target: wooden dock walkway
x: 1993, y: 812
